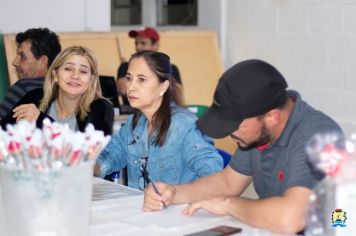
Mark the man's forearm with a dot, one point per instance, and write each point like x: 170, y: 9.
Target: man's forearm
x: 200, y: 189
x: 278, y: 214
x: 218, y: 184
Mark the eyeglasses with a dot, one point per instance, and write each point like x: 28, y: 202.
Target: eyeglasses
x: 143, y: 180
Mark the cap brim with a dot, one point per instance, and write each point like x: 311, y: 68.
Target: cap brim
x: 133, y: 34
x: 213, y: 124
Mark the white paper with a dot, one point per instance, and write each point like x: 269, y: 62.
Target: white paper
x: 103, y: 190
x: 128, y: 210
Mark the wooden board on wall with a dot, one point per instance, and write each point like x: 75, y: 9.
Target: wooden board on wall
x: 198, y: 58
x: 10, y: 50
x: 104, y: 45
x: 126, y: 45
x: 226, y: 144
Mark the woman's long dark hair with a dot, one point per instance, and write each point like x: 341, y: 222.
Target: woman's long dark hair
x: 160, y: 64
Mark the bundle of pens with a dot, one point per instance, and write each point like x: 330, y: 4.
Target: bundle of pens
x: 333, y: 200
x: 23, y: 146
x: 44, y: 173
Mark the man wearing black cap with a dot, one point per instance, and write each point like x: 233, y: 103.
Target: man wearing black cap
x: 146, y: 38
x: 271, y: 126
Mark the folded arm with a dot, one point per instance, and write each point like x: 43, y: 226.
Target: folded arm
x: 282, y: 214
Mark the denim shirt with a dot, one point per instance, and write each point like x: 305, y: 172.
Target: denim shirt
x: 185, y: 155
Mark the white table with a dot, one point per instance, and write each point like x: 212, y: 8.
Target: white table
x: 117, y: 210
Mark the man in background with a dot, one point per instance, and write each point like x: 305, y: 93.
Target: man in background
x: 36, y: 50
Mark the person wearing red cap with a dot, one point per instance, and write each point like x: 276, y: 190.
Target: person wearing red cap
x: 146, y: 38
x: 271, y: 126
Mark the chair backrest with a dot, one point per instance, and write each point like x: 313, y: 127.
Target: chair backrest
x: 115, y: 177
x: 108, y: 89
x: 225, y: 155
x: 198, y: 110
x: 4, y: 78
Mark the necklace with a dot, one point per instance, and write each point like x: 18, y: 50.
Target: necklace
x: 60, y: 114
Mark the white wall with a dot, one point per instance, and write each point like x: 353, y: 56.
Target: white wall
x: 59, y: 16
x: 212, y: 16
x: 312, y: 42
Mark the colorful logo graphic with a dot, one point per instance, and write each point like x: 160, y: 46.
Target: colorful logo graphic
x: 338, y: 218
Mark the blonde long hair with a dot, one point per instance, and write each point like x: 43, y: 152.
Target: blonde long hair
x: 51, y: 88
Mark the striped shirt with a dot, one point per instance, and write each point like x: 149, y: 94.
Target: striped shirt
x: 18, y: 91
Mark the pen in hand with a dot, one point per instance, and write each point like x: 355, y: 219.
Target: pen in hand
x: 156, y: 191
x: 146, y: 176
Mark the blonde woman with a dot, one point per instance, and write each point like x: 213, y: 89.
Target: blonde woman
x: 71, y: 94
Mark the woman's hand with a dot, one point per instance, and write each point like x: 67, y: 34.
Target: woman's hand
x: 153, y: 200
x: 96, y: 170
x: 27, y: 112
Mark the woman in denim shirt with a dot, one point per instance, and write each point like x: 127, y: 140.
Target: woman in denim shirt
x: 160, y: 141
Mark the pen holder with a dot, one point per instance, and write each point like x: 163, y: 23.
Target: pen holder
x: 47, y: 202
x: 3, y: 230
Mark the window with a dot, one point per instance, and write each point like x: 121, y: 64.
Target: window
x: 177, y: 12
x: 154, y: 12
x: 126, y: 12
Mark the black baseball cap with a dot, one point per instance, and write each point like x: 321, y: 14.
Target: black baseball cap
x: 248, y: 89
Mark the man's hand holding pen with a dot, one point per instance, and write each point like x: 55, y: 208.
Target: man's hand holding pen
x: 157, y: 195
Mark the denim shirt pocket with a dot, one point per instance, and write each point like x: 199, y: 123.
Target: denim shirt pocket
x: 164, y: 169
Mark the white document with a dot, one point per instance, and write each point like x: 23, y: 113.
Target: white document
x: 128, y: 210
x: 103, y: 189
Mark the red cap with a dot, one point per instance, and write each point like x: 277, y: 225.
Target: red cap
x: 146, y: 32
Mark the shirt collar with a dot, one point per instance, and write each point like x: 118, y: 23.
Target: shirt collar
x: 141, y: 128
x: 294, y: 119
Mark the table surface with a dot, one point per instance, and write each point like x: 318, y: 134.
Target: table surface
x: 117, y: 210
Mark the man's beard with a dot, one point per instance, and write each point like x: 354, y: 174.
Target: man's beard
x: 264, y: 138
